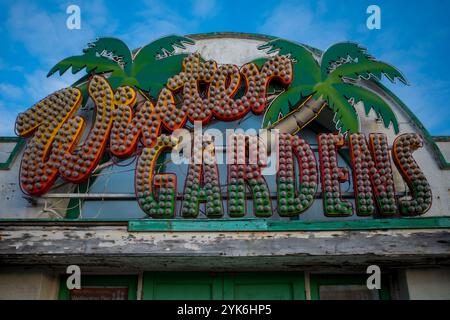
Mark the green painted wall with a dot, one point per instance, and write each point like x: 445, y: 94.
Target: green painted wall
x: 229, y: 286
x: 224, y: 286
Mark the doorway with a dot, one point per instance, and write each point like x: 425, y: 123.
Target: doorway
x: 219, y: 286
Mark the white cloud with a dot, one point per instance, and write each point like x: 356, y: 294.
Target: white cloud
x: 38, y: 86
x: 15, y: 99
x: 10, y: 91
x: 7, y: 120
x: 44, y: 34
x: 424, y: 99
x: 141, y: 34
x: 304, y: 24
x: 156, y: 19
x: 204, y: 8
x: 425, y: 94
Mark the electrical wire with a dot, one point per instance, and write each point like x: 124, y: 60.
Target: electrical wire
x: 102, y: 200
x: 50, y: 208
x: 109, y: 173
x: 117, y: 163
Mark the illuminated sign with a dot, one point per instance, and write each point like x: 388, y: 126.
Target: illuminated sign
x: 141, y: 99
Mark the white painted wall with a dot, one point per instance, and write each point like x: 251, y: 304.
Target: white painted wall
x: 21, y: 284
x: 14, y: 203
x: 428, y: 284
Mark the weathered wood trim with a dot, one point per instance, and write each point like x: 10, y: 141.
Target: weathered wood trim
x: 115, y: 246
x: 62, y: 222
x: 249, y: 224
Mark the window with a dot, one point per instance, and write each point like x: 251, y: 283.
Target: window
x: 104, y: 287
x: 346, y: 287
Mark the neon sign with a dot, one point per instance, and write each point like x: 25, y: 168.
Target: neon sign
x: 128, y: 122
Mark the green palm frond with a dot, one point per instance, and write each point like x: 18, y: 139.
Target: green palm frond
x: 113, y: 55
x: 341, y: 60
x: 83, y: 79
x: 114, y: 48
x: 276, y: 110
x: 285, y: 103
x: 92, y: 63
x: 151, y: 81
x: 366, y: 69
x: 82, y: 85
x: 149, y: 53
x: 371, y: 101
x: 340, y: 52
x: 124, y: 80
x: 296, y: 51
x: 306, y: 73
x: 102, y: 55
x: 306, y: 68
x: 346, y: 118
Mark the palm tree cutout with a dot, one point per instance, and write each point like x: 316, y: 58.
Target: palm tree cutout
x: 330, y: 82
x: 148, y: 69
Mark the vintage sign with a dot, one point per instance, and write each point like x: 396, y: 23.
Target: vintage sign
x: 140, y: 99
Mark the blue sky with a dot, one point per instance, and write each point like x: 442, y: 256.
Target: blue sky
x: 414, y: 37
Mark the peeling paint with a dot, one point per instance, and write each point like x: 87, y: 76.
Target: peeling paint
x: 115, y: 246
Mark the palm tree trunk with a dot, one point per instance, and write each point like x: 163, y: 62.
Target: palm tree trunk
x: 300, y: 117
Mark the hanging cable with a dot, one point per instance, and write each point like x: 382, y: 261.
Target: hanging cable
x: 117, y: 162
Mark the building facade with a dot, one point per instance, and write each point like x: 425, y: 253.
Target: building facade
x: 348, y: 184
